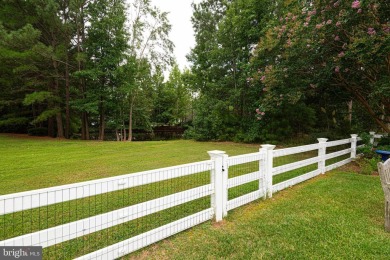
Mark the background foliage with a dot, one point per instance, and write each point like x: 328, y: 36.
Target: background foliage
x: 81, y: 69
x: 261, y: 71
x: 279, y: 69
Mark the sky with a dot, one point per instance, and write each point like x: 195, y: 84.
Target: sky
x: 182, y: 34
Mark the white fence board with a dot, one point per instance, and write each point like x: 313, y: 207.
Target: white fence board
x: 239, y: 180
x: 48, y: 196
x: 338, y: 153
x: 294, y: 165
x: 148, y: 238
x: 338, y: 164
x: 283, y: 185
x: 338, y: 142
x: 244, y: 199
x: 59, y: 234
x: 245, y: 158
x: 294, y: 150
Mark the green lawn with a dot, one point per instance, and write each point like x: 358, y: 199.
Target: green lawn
x: 311, y: 213
x: 35, y: 163
x: 339, y: 215
x: 31, y: 163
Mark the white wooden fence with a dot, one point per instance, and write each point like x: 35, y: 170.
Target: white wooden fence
x: 217, y: 189
x: 374, y: 137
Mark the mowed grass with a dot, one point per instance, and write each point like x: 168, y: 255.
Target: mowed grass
x: 339, y: 215
x: 33, y: 163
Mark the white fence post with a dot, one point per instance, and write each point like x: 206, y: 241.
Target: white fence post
x: 267, y: 150
x: 372, y: 138
x: 353, y: 145
x: 262, y: 172
x: 321, y: 154
x: 225, y: 178
x: 217, y: 181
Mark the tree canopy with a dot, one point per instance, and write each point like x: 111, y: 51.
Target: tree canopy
x: 83, y: 68
x: 261, y: 70
x: 319, y: 47
x: 273, y: 69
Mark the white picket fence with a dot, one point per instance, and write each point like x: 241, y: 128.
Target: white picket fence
x: 217, y: 189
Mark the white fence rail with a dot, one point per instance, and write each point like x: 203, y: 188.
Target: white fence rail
x: 150, y: 237
x: 258, y: 168
x: 291, y: 182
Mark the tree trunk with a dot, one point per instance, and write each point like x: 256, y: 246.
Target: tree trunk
x: 130, y: 138
x: 83, y: 132
x: 101, y: 126
x: 67, y: 43
x: 362, y: 100
x: 60, y: 125
x: 124, y: 131
x: 82, y: 87
x: 101, y: 120
x: 117, y: 135
x: 84, y: 126
x: 350, y: 103
x: 67, y: 99
x: 377, y: 120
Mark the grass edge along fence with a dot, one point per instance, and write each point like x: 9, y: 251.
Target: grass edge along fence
x: 217, y: 189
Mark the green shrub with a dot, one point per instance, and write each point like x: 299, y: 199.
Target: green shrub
x: 368, y: 151
x: 368, y: 165
x: 384, y: 143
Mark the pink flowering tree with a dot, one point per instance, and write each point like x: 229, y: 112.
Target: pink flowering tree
x: 320, y: 47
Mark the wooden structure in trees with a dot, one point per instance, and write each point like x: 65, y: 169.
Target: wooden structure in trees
x: 384, y: 172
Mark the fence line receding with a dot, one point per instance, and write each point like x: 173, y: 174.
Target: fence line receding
x: 109, y: 218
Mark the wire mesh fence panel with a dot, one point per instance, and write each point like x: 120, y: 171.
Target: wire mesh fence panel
x: 338, y: 152
x: 101, y: 239
x: 125, y: 247
x: 245, y: 181
x: 240, y: 170
x: 79, y: 226
x: 290, y: 166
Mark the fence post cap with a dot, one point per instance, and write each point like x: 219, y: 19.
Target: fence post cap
x: 216, y: 153
x: 372, y: 132
x: 354, y: 135
x: 322, y: 140
x: 268, y: 146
